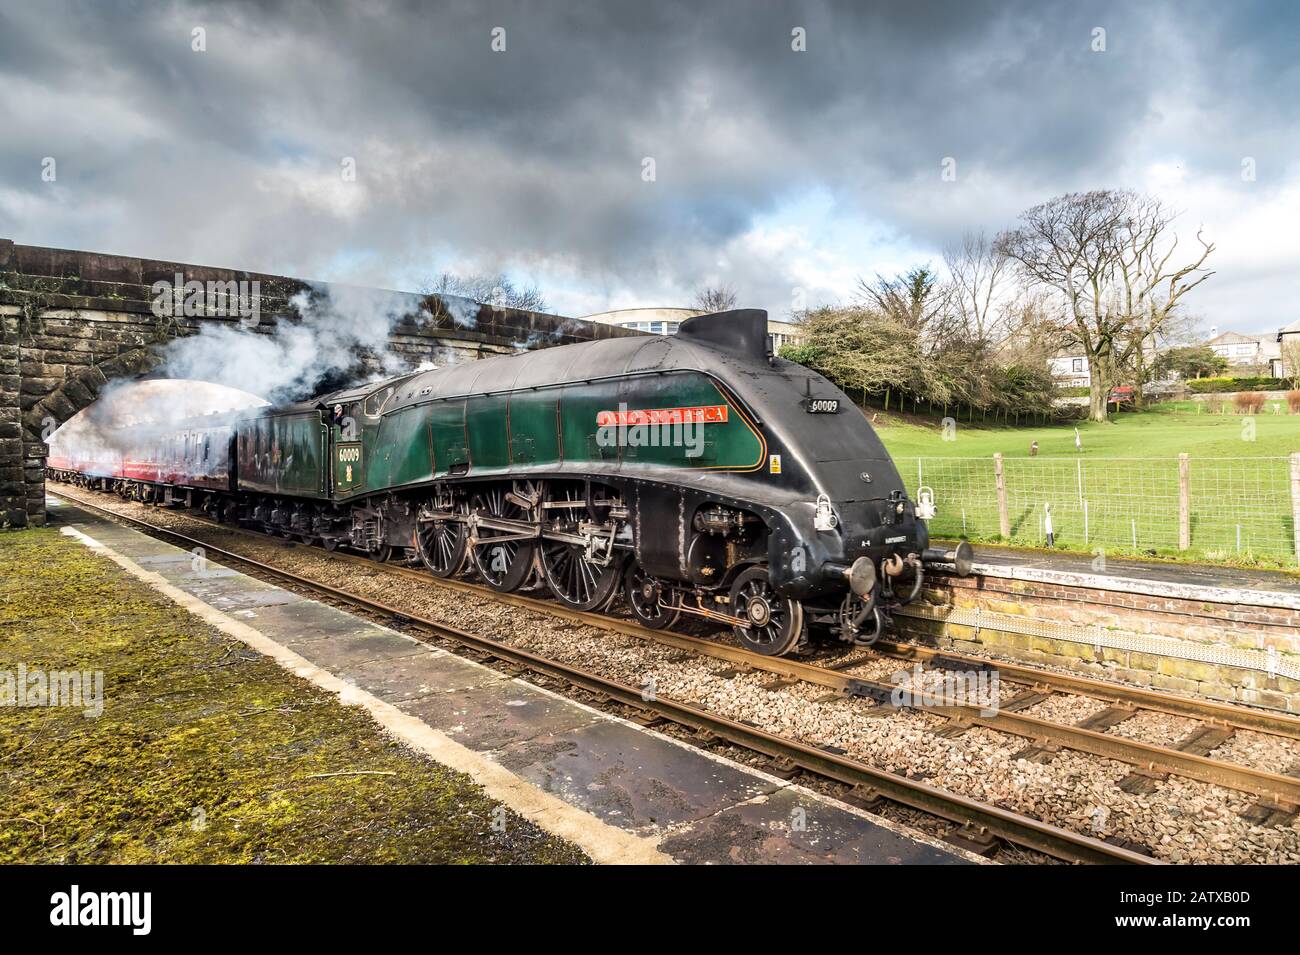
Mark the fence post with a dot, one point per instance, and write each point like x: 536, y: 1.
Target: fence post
x: 1184, y: 503
x: 1295, y: 500
x: 1004, y: 523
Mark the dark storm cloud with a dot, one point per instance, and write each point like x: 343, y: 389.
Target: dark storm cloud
x: 532, y: 158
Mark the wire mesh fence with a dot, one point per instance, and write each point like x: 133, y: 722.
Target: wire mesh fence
x: 1213, y: 507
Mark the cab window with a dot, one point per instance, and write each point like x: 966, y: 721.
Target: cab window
x: 375, y: 403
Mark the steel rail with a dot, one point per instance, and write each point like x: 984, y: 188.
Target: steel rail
x: 1279, y: 790
x: 1209, y: 711
x: 1013, y: 827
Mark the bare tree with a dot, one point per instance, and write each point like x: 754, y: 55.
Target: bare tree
x: 1034, y: 329
x: 915, y: 299
x: 1150, y: 286
x: 980, y: 281
x: 1291, y: 359
x: 489, y: 289
x: 715, y: 298
x: 1108, y: 255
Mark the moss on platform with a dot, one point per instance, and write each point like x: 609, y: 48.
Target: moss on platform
x: 205, y: 750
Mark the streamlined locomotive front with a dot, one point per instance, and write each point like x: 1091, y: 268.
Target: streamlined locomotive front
x: 845, y: 541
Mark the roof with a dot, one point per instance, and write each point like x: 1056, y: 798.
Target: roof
x: 1236, y: 338
x: 1292, y: 329
x: 703, y: 343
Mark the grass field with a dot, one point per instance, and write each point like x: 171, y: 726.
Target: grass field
x: 1121, y: 494
x: 204, y: 751
x: 1164, y: 431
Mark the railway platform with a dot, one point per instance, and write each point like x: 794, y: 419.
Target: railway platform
x: 621, y: 792
x: 1214, y: 632
x: 1168, y: 578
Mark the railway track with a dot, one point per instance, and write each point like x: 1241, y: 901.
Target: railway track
x: 1280, y: 794
x: 977, y: 820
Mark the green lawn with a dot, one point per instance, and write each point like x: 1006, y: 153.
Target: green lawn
x: 201, y: 750
x: 1120, y: 495
x: 1165, y: 431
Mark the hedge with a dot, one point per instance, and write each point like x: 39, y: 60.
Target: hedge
x: 1205, y: 386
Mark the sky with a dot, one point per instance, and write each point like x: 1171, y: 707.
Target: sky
x: 625, y: 154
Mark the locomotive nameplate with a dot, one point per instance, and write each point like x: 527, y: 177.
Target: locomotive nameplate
x: 822, y: 405
x: 707, y: 414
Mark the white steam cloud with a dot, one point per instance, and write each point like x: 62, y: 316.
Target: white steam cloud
x: 338, y: 325
x: 232, y: 367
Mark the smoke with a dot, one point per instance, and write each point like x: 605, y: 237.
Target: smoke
x: 340, y: 337
x: 539, y: 339
x: 131, y: 413
x: 463, y: 311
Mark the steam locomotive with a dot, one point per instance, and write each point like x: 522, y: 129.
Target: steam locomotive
x: 696, y: 474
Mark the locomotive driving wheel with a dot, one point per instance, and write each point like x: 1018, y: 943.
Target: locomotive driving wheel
x: 503, y: 558
x: 776, y: 624
x: 441, y: 544
x: 577, y: 578
x: 653, y: 602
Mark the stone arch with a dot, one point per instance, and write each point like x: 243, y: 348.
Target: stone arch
x: 82, y: 388
x: 22, y: 486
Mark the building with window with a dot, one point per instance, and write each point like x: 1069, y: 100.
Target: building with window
x: 665, y: 321
x: 1288, y: 345
x: 656, y: 321
x: 1262, y: 353
x: 1070, y: 371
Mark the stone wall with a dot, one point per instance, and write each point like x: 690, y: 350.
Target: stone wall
x: 71, y: 321
x: 1069, y: 625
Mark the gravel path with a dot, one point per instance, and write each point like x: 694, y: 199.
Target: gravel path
x: 1182, y: 821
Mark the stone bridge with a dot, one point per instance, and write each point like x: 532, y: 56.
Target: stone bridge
x: 71, y: 322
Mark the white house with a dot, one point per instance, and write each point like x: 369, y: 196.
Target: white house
x: 1288, y: 344
x: 1254, y: 351
x: 1070, y: 370
x: 665, y: 321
